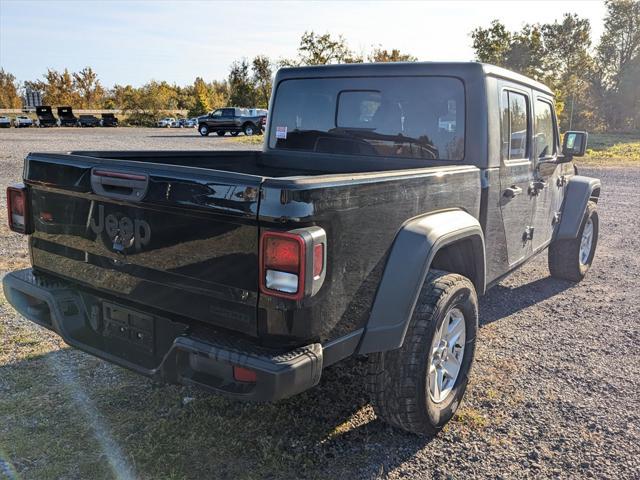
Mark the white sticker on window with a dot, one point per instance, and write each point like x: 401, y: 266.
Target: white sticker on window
x: 281, y: 132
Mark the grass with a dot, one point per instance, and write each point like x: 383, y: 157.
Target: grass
x: 251, y: 140
x: 609, y: 149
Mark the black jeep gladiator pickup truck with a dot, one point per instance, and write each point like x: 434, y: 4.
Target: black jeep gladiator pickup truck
x: 386, y: 199
x: 233, y: 120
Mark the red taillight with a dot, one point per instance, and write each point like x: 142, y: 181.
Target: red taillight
x: 293, y: 263
x: 282, y: 253
x: 282, y: 262
x: 17, y: 214
x: 318, y: 259
x: 241, y: 374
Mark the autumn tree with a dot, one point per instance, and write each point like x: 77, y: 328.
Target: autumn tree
x: 9, y: 97
x: 88, y: 88
x: 201, y: 95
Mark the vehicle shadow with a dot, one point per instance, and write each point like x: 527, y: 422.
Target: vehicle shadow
x: 502, y: 301
x: 183, y: 432
x: 182, y: 135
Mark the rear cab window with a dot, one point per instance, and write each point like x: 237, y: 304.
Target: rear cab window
x: 408, y: 117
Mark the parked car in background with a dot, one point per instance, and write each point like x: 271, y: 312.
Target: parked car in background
x: 22, y: 121
x: 109, y: 120
x: 166, y: 122
x: 188, y: 122
x: 88, y: 121
x: 66, y: 117
x: 232, y: 119
x: 46, y: 117
x: 5, y: 122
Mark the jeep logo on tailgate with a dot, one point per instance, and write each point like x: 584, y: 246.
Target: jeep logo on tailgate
x: 123, y: 232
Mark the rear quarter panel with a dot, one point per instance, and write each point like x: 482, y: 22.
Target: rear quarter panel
x: 361, y: 215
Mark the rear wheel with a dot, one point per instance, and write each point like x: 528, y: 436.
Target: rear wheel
x: 419, y: 386
x: 571, y: 259
x: 249, y: 129
x: 204, y: 130
x: 221, y: 133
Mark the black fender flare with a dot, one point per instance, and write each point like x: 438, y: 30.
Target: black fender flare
x: 408, y: 263
x: 579, y: 191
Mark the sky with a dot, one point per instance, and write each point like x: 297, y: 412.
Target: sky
x: 132, y: 42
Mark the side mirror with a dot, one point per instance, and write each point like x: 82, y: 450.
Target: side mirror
x: 574, y: 144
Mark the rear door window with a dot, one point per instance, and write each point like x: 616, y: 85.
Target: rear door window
x: 515, y: 121
x: 544, y: 134
x: 409, y: 117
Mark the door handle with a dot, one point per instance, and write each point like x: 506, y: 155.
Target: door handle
x: 512, y: 191
x: 536, y: 187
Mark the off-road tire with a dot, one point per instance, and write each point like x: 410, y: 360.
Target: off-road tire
x: 564, y: 255
x: 397, y: 379
x: 203, y: 130
x: 249, y: 129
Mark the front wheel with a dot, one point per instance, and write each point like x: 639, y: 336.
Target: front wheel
x: 419, y: 386
x: 204, y: 130
x: 571, y: 259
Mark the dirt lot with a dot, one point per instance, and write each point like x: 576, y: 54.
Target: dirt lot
x: 555, y: 391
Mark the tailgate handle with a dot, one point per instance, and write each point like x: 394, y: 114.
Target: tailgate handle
x: 121, y: 185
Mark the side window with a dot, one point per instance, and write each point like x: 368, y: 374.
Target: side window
x: 228, y: 112
x: 515, y: 126
x: 217, y: 113
x: 544, y: 133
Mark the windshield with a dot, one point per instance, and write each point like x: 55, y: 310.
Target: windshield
x: 415, y: 117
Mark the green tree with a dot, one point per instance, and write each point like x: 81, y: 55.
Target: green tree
x: 323, y: 49
x: 241, y: 90
x: 571, y: 67
x: 380, y: 55
x: 618, y: 56
x: 262, y: 80
x: 9, y: 97
x: 620, y: 42
x: 492, y: 44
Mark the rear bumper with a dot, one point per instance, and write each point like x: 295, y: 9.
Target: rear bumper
x: 161, y: 348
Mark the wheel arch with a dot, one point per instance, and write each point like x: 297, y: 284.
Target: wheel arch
x: 580, y: 190
x: 452, y: 240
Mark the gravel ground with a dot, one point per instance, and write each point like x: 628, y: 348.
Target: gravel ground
x: 555, y: 391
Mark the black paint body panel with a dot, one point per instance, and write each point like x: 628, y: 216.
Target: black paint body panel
x: 197, y: 256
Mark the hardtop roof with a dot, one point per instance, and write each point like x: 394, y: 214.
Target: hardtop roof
x: 464, y: 70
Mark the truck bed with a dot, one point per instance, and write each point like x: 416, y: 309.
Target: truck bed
x: 184, y: 243
x: 264, y: 164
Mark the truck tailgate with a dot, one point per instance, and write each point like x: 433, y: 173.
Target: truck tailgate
x: 176, y: 239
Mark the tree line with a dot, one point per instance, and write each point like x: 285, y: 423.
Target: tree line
x: 597, y: 86
x: 248, y: 83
